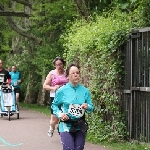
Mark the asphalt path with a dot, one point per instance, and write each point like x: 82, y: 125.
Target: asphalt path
x: 29, y: 132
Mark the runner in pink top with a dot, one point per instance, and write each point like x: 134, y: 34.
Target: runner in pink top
x: 55, y: 79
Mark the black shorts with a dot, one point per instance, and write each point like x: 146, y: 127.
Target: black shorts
x: 51, y: 100
x: 17, y: 90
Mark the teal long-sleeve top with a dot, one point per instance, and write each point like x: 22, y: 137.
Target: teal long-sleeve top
x: 68, y: 100
x: 15, y: 76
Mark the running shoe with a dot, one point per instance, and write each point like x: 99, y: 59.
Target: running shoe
x: 50, y: 132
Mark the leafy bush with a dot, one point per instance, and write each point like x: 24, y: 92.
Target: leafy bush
x: 95, y: 46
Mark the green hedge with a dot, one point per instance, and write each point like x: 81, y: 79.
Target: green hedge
x: 95, y: 46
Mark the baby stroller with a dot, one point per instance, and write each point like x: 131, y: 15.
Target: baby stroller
x: 8, y: 105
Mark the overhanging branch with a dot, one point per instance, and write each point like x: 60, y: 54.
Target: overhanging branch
x: 21, y: 32
x: 18, y: 28
x: 12, y: 13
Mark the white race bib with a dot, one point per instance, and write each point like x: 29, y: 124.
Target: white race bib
x: 1, y: 77
x: 7, y: 97
x: 52, y: 94
x: 76, y: 110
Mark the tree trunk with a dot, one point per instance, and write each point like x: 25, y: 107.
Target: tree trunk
x: 31, y: 94
x: 82, y: 8
x: 43, y: 95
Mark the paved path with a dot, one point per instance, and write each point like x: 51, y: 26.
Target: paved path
x: 30, y: 133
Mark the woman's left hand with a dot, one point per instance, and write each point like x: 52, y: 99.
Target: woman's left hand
x: 84, y: 106
x: 56, y: 87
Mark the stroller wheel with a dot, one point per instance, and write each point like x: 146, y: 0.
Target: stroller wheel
x: 17, y: 115
x: 17, y: 109
x: 9, y: 114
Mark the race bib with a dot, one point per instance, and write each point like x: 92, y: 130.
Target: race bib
x: 7, y: 97
x: 76, y: 110
x: 52, y: 94
x: 1, y: 77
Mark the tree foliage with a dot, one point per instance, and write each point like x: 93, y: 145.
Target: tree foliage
x: 5, y: 38
x: 49, y: 22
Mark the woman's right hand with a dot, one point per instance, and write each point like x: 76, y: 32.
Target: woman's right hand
x: 64, y: 117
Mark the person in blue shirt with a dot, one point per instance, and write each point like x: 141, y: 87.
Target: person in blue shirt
x: 70, y: 104
x: 15, y: 82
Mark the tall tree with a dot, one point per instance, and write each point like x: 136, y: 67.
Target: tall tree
x: 49, y: 23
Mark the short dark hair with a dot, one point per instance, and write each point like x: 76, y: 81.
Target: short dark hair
x: 59, y: 58
x: 69, y: 66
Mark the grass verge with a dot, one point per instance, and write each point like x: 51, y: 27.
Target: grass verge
x: 36, y: 107
x: 110, y: 145
x: 123, y: 145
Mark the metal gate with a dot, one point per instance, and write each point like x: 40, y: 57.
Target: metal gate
x: 136, y: 84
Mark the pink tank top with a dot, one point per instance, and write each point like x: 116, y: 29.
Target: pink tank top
x: 58, y: 80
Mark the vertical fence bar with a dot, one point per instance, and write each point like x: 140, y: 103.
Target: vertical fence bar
x: 143, y: 95
x: 136, y: 84
x: 146, y: 84
x: 133, y: 102
x: 148, y: 95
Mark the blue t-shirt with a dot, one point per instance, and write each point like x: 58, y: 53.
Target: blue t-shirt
x: 15, y: 76
x: 68, y: 99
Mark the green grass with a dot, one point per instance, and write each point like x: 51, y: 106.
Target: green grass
x: 36, y: 107
x: 110, y: 145
x: 126, y: 146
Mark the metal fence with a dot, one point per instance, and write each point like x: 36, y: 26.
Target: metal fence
x: 136, y: 84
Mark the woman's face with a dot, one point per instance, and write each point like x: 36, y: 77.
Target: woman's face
x: 74, y: 75
x: 59, y: 65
